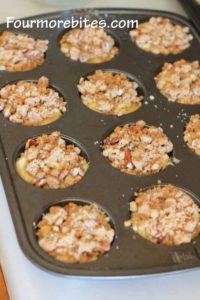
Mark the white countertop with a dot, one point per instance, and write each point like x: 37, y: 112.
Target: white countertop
x: 26, y: 281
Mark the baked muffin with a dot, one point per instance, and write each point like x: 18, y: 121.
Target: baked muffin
x: 48, y: 162
x: 90, y: 45
x: 31, y: 103
x: 109, y: 93
x: 165, y: 215
x: 161, y: 36
x: 137, y: 149
x: 180, y: 82
x: 75, y: 233
x: 20, y: 52
x: 192, y: 133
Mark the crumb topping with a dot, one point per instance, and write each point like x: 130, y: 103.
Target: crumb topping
x: 109, y: 93
x: 75, y: 233
x: 47, y: 162
x: 192, y: 133
x: 180, y: 82
x: 165, y: 215
x: 160, y: 36
x: 137, y: 149
x: 31, y: 103
x: 19, y: 52
x: 91, y: 45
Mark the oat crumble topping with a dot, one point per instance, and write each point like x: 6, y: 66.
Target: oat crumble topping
x: 91, y: 45
x: 47, y: 162
x: 31, y: 103
x: 109, y: 93
x: 137, y: 149
x: 192, y: 133
x: 75, y: 233
x: 180, y: 82
x: 160, y: 36
x: 165, y: 215
x: 19, y: 52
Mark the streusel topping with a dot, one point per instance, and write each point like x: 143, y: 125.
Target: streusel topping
x: 161, y: 36
x: 48, y: 162
x: 137, y: 149
x: 192, y: 133
x: 165, y: 215
x: 180, y: 82
x: 31, y: 103
x: 91, y: 45
x: 75, y: 233
x: 20, y: 52
x: 109, y: 93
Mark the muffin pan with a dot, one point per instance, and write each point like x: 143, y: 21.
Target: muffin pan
x: 112, y: 190
x: 192, y: 8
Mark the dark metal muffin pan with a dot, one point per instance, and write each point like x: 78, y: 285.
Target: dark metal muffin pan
x: 130, y: 255
x: 192, y: 8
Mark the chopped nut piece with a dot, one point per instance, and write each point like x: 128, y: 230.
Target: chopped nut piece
x: 192, y: 133
x: 165, y: 215
x: 48, y: 162
x: 91, y: 45
x: 19, y: 52
x: 109, y: 93
x: 75, y: 233
x: 31, y: 103
x: 180, y: 82
x: 137, y: 149
x: 160, y: 36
